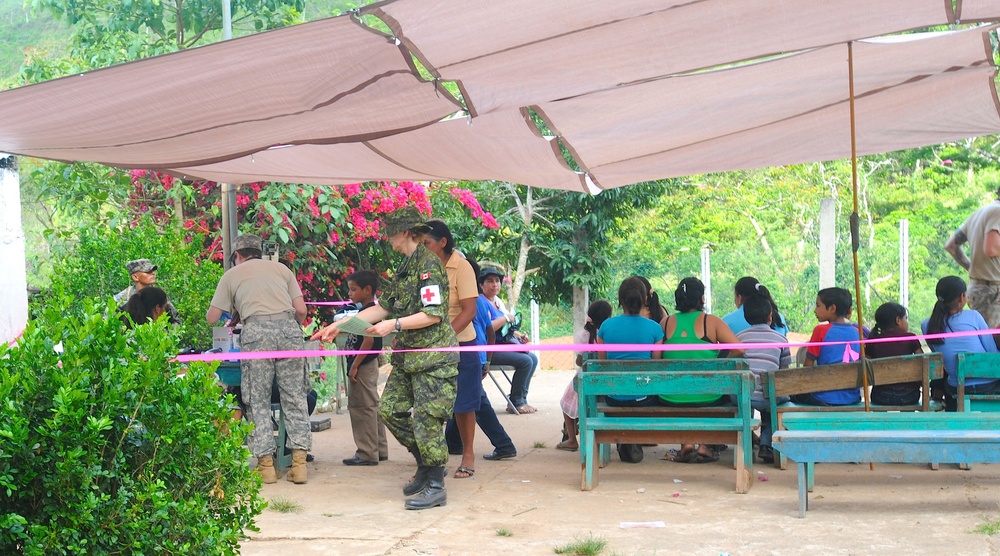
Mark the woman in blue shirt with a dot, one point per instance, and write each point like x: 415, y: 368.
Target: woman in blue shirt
x: 630, y: 328
x: 950, y: 315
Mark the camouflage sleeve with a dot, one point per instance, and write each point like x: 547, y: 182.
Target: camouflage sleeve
x: 433, y: 283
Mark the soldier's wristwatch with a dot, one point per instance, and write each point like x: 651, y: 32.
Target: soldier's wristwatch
x: 399, y: 325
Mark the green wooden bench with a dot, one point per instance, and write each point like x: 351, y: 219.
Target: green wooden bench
x: 977, y: 365
x: 882, y: 437
x: 920, y: 368
x: 600, y: 424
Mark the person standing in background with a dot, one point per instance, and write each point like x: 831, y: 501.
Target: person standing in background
x: 270, y: 304
x: 462, y: 295
x: 420, y: 394
x: 982, y: 232
x: 362, y: 397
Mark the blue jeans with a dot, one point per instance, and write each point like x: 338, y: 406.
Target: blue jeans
x: 524, y: 368
x: 764, y: 407
x: 487, y: 420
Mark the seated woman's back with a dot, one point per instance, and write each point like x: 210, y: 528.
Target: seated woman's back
x: 691, y: 325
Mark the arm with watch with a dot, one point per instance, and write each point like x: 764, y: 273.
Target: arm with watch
x: 406, y: 322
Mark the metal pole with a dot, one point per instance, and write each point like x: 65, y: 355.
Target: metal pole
x: 827, y: 243
x: 228, y: 194
x: 227, y: 20
x: 706, y: 276
x: 904, y: 262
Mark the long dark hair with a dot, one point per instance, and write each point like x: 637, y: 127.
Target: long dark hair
x: 439, y: 230
x: 885, y: 318
x: 690, y: 295
x: 949, y: 290
x: 748, y: 286
x: 632, y: 296
x: 598, y: 312
x: 142, y: 304
x: 653, y: 304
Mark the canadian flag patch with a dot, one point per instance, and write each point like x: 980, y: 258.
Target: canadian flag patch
x: 430, y: 295
x: 425, y: 275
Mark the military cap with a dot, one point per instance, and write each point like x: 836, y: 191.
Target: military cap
x: 489, y: 271
x: 247, y: 241
x: 402, y: 219
x: 139, y: 265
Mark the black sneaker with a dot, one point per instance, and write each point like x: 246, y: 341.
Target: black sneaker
x: 766, y: 454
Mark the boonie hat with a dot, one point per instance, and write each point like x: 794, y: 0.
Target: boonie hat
x: 402, y: 219
x: 140, y: 265
x: 247, y: 241
x: 490, y: 271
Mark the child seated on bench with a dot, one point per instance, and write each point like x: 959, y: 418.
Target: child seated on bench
x: 630, y: 328
x: 949, y: 315
x: 833, y: 308
x: 758, y: 311
x: 598, y: 312
x: 891, y: 322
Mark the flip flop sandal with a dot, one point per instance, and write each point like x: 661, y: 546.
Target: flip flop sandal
x: 525, y: 408
x: 466, y: 473
x: 563, y: 446
x: 701, y: 458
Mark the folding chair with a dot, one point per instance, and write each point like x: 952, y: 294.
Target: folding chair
x: 503, y: 369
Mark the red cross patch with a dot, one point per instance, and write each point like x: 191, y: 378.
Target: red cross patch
x: 430, y: 295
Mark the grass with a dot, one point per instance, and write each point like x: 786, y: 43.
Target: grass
x: 284, y: 505
x: 988, y: 527
x: 504, y: 532
x: 591, y: 546
x: 539, y: 444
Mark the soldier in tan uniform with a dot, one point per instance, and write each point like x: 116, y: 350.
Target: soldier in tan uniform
x: 269, y: 302
x: 982, y: 232
x: 415, y: 305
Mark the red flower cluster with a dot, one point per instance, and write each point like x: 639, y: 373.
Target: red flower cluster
x: 468, y: 199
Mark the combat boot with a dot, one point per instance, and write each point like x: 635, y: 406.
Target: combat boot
x: 297, y: 474
x: 419, y: 481
x: 265, y: 468
x: 433, y: 494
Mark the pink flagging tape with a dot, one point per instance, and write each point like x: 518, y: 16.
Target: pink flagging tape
x: 333, y: 303
x: 247, y: 355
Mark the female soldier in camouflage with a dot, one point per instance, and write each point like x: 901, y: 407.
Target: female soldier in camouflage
x: 415, y: 305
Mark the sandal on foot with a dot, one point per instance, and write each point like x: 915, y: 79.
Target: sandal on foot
x: 695, y: 457
x: 567, y: 447
x: 464, y: 473
x: 525, y: 408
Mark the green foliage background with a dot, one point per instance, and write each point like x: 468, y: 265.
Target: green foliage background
x: 104, y: 449
x: 91, y: 265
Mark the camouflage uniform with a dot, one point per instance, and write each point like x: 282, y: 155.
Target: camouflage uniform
x: 258, y: 376
x: 264, y: 294
x: 423, y: 381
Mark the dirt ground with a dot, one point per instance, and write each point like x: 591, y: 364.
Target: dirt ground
x: 536, y: 497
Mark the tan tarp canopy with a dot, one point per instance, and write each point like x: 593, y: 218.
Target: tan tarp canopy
x: 636, y: 91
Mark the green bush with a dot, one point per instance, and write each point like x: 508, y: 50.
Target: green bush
x: 93, y: 265
x: 104, y: 449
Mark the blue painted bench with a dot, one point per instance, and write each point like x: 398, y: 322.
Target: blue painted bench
x: 600, y: 424
x: 886, y: 438
x: 977, y: 365
x: 807, y: 380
